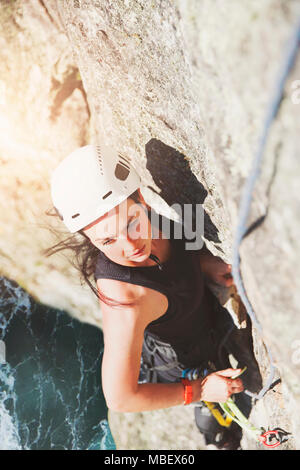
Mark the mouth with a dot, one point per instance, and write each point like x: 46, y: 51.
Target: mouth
x: 138, y: 252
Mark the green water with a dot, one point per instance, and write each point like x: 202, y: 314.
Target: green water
x: 50, y: 377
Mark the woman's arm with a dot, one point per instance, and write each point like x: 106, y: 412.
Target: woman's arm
x: 123, y: 339
x: 216, y: 387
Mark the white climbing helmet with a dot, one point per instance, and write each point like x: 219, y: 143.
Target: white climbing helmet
x: 89, y: 182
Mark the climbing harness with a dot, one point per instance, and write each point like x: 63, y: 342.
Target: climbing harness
x: 193, y: 373
x: 223, y: 413
x: 196, y: 373
x: 248, y: 193
x: 224, y: 421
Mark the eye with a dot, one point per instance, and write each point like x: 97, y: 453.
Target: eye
x: 108, y: 242
x: 130, y: 226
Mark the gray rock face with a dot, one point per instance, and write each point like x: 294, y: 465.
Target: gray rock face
x: 183, y: 88
x: 43, y: 115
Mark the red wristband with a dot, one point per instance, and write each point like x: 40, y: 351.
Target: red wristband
x: 187, y: 391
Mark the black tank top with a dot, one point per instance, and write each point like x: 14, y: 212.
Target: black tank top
x: 188, y: 319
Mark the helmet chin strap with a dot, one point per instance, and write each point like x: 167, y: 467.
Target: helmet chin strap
x: 156, y: 260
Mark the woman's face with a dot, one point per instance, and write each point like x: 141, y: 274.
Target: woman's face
x: 123, y: 234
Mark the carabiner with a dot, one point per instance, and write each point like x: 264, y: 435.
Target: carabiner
x: 279, y: 434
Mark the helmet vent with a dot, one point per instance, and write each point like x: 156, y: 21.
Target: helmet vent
x: 124, y: 163
x: 126, y: 159
x: 121, y: 171
x: 107, y: 194
x: 100, y: 159
x: 75, y: 215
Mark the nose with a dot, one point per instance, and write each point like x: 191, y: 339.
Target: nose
x: 131, y: 245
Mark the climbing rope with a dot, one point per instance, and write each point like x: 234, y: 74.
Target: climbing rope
x: 249, y: 189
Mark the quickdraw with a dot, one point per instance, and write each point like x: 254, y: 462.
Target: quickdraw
x: 224, y: 421
x: 271, y: 438
x: 280, y: 436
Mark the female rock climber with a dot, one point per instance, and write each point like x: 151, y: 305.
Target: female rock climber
x: 160, y: 321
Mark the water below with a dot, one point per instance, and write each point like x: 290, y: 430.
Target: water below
x: 50, y: 377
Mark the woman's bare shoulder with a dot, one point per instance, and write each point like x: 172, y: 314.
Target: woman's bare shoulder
x: 139, y: 301
x: 120, y: 291
x: 125, y: 314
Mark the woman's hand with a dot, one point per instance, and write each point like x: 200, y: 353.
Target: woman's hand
x: 219, y: 386
x: 216, y: 269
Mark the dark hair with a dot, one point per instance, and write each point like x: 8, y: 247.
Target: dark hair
x: 85, y: 255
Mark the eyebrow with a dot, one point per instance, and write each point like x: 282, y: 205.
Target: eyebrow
x: 112, y: 236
